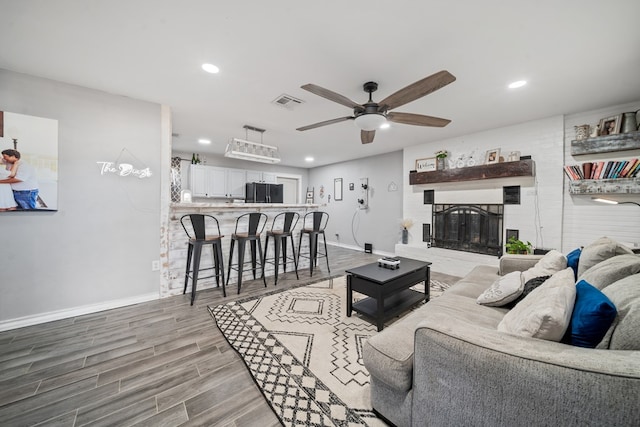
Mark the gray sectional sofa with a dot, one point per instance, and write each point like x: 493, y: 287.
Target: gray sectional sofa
x: 447, y: 364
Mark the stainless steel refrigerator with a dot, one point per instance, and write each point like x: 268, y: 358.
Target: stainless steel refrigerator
x: 258, y: 192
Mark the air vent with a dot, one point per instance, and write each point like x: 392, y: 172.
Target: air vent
x: 287, y: 101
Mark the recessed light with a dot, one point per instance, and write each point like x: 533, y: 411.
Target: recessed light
x: 210, y: 68
x: 308, y: 159
x: 204, y: 141
x: 385, y: 125
x: 517, y: 84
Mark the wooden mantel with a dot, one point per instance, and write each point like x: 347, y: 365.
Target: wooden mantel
x: 472, y: 173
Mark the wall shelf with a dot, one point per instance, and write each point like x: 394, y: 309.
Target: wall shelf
x: 472, y: 173
x: 606, y: 144
x: 605, y: 186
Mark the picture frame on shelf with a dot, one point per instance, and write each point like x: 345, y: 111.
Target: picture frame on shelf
x: 426, y: 165
x: 492, y: 156
x: 610, y: 125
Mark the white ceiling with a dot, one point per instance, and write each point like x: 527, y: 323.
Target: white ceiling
x: 576, y: 54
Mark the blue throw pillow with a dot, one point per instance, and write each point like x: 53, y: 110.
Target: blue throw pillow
x: 593, y: 314
x: 573, y: 258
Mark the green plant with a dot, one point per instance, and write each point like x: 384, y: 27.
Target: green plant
x: 515, y: 246
x: 442, y: 154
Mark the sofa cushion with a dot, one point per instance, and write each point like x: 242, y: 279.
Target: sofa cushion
x: 623, y: 334
x: 593, y: 314
x: 546, y: 311
x: 599, y: 250
x: 552, y: 262
x: 504, y: 290
x: 611, y: 270
x: 475, y: 282
x: 388, y: 355
x: 573, y: 260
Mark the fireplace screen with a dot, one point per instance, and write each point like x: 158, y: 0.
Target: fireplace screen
x: 469, y: 228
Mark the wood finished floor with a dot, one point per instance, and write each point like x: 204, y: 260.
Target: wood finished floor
x: 161, y: 363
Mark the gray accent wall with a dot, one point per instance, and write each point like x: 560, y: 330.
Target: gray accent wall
x: 380, y: 223
x: 96, y: 250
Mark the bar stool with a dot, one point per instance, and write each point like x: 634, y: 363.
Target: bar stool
x: 282, y: 227
x: 313, y: 225
x: 202, y: 230
x: 248, y: 228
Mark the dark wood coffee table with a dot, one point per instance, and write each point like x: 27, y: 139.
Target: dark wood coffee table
x: 388, y: 290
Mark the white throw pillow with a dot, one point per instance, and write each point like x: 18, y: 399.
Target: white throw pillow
x: 545, y: 313
x: 504, y: 290
x: 552, y: 262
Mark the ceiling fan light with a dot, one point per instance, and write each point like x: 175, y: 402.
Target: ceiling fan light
x: 370, y: 121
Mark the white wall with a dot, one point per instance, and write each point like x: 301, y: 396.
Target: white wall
x: 96, y: 250
x: 584, y: 219
x: 539, y: 216
x: 378, y: 225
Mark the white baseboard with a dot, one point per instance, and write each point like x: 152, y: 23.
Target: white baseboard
x: 36, y: 319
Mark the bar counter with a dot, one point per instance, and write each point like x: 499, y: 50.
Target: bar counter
x: 173, y: 269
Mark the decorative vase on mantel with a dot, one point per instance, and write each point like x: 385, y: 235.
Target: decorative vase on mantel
x: 405, y: 236
x: 440, y: 163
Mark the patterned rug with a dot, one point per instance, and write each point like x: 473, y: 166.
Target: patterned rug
x: 305, y: 354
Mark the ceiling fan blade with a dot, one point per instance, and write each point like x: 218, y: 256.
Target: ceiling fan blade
x: 417, y: 90
x: 367, y: 136
x: 417, y: 119
x: 326, y: 122
x: 331, y: 96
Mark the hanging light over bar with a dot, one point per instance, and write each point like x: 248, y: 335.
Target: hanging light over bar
x: 253, y: 151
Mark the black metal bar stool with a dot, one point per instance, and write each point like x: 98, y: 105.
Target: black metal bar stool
x: 202, y: 230
x: 282, y: 227
x: 313, y: 225
x: 248, y: 228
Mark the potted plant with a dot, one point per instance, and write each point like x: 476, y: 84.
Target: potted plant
x: 515, y: 246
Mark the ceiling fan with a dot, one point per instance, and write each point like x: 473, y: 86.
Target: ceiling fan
x: 369, y: 116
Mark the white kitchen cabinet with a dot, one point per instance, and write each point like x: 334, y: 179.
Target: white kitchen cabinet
x: 211, y: 181
x: 254, y: 176
x: 266, y: 177
x: 199, y: 180
x: 269, y: 178
x: 236, y: 180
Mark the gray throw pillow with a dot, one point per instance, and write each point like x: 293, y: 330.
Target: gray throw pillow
x: 623, y: 334
x: 598, y: 251
x: 611, y: 270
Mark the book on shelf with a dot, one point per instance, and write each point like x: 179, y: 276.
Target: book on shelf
x: 612, y: 169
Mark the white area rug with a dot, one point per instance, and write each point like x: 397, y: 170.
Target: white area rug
x: 305, y: 354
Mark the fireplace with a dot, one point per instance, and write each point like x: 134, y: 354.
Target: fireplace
x: 469, y: 228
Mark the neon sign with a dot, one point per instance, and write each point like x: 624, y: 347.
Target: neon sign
x: 123, y: 169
